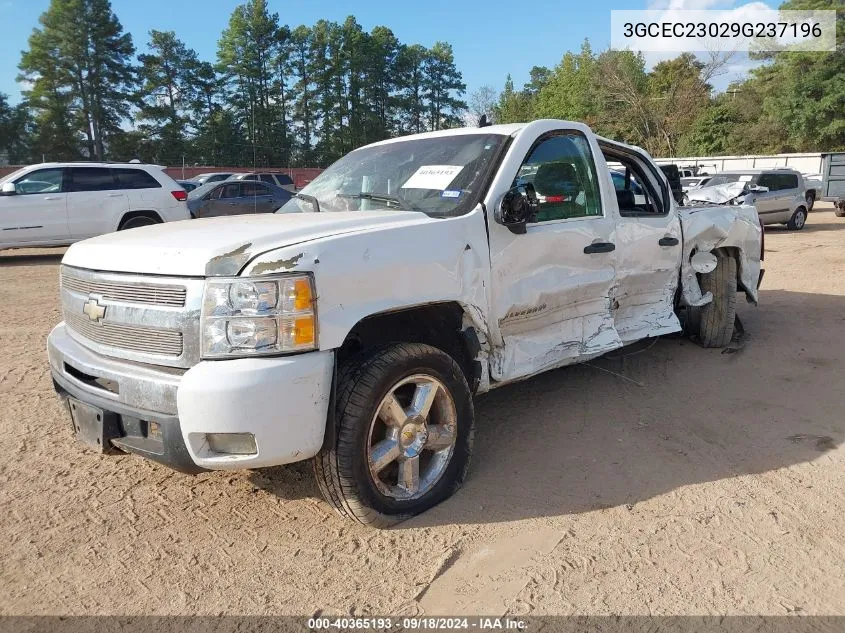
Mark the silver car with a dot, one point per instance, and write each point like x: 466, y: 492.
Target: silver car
x: 779, y: 194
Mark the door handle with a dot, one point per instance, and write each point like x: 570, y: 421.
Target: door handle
x: 52, y: 198
x: 115, y: 195
x: 599, y: 247
x: 668, y: 241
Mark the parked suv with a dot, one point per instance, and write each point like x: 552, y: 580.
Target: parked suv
x: 280, y: 180
x: 55, y: 204
x: 214, y: 176
x: 779, y: 194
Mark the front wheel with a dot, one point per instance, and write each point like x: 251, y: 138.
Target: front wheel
x: 798, y: 219
x: 404, y: 433
x: 810, y: 199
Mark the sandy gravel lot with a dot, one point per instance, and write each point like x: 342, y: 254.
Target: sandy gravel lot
x: 707, y: 483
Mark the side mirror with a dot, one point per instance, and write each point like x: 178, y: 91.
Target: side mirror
x: 517, y: 208
x: 8, y: 189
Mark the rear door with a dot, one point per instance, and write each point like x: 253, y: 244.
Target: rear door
x: 37, y: 212
x: 649, y: 246
x: 258, y: 196
x: 96, y: 203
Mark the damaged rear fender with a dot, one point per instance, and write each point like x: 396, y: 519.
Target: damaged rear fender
x: 735, y: 229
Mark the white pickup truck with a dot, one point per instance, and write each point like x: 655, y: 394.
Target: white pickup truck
x: 355, y: 325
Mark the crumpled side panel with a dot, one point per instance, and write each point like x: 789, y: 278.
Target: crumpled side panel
x: 708, y: 228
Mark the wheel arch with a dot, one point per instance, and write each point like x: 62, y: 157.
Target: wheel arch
x: 446, y: 325
x: 129, y: 215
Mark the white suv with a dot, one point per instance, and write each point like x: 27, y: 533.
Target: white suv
x: 55, y: 204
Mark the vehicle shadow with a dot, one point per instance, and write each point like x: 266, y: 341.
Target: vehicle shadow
x: 30, y: 258
x: 650, y: 419
x: 814, y: 228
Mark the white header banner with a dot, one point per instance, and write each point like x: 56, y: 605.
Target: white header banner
x: 752, y: 27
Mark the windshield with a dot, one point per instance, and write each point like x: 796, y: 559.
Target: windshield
x: 723, y: 179
x: 438, y: 176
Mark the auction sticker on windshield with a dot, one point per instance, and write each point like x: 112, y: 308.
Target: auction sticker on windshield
x: 433, y: 177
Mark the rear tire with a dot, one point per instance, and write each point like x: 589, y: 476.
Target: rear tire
x: 363, y: 474
x: 137, y: 220
x: 798, y: 219
x: 714, y: 322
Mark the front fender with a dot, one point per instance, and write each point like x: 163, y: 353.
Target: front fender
x: 388, y: 268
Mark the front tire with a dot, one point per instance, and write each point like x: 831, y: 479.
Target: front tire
x: 404, y: 431
x: 714, y: 322
x: 810, y: 198
x: 798, y: 219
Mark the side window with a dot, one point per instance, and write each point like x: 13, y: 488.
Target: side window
x: 282, y: 179
x: 91, y: 179
x: 250, y: 177
x: 249, y: 189
x: 563, y: 174
x: 40, y: 181
x: 268, y: 178
x: 789, y: 181
x: 231, y: 191
x: 135, y: 179
x: 635, y: 194
x: 768, y: 180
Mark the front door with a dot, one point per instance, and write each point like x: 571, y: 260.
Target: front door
x: 772, y: 205
x: 225, y: 201
x: 551, y: 286
x: 37, y: 212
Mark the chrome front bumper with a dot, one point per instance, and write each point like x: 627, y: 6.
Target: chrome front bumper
x: 133, y: 385
x: 281, y: 401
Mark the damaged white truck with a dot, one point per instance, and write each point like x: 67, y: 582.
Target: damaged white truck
x: 355, y: 325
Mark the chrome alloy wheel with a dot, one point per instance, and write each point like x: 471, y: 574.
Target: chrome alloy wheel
x: 412, y: 437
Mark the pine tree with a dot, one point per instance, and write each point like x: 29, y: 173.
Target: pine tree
x: 441, y: 81
x: 79, y: 64
x: 165, y: 93
x: 246, y: 55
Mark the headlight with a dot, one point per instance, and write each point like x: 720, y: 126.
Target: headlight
x: 253, y: 317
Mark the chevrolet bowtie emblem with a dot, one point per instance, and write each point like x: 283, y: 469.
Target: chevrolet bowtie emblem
x: 94, y: 310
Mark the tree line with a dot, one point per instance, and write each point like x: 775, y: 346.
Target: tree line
x: 304, y: 96
x: 276, y: 95
x: 793, y: 102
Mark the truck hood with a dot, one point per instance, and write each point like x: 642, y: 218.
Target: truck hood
x: 220, y: 246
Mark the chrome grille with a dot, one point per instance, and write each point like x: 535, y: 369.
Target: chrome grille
x: 120, y: 335
x: 152, y: 294
x: 146, y: 319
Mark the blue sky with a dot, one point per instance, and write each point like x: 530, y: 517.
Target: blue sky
x: 491, y: 38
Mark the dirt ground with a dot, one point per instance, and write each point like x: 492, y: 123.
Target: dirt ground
x: 685, y: 482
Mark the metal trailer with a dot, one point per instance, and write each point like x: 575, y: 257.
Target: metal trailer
x: 833, y: 183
